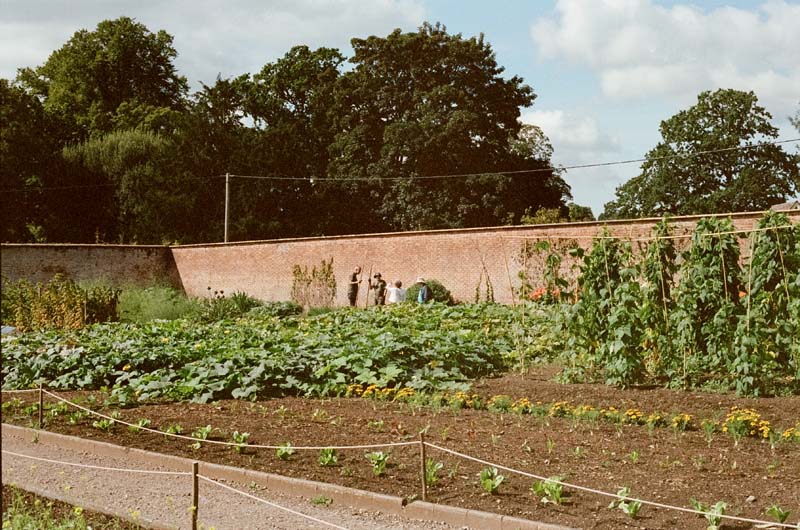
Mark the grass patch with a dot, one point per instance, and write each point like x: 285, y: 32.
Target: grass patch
x: 138, y: 305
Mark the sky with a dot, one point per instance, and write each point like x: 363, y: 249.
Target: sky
x: 605, y: 72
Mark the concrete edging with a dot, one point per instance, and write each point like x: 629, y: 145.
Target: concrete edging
x: 305, y: 488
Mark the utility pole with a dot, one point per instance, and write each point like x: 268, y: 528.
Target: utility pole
x: 227, y: 201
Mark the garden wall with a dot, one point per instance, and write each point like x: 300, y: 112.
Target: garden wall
x: 461, y: 259
x: 114, y: 264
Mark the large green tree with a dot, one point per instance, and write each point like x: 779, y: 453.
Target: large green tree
x: 742, y: 173
x: 425, y: 104
x: 120, y: 62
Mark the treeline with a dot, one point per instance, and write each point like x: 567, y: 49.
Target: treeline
x: 105, y: 143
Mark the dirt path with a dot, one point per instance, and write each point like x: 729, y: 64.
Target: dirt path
x: 165, y: 499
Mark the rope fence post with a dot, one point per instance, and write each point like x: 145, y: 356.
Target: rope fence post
x: 195, y: 494
x: 422, y: 466
x: 41, y: 408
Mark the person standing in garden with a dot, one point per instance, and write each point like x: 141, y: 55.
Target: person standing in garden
x: 352, y: 287
x: 395, y: 294
x: 424, y: 294
x: 380, y: 289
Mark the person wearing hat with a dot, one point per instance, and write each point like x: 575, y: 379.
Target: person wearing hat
x: 380, y: 289
x: 424, y: 294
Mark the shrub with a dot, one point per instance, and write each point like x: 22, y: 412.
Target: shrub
x: 220, y: 308
x: 439, y: 292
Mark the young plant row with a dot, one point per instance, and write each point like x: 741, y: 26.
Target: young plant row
x: 739, y: 423
x: 690, y: 318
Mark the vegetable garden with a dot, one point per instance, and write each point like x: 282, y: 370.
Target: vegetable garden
x: 653, y: 354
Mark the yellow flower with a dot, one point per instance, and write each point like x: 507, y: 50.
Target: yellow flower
x: 77, y: 510
x: 126, y: 367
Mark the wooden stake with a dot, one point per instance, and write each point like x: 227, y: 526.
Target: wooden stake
x: 422, y: 465
x: 195, y: 494
x: 41, y: 407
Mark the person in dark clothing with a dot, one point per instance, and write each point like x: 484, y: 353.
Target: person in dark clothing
x: 424, y: 294
x: 379, y: 296
x: 352, y: 287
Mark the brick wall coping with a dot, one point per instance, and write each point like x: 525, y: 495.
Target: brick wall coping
x: 505, y: 228
x: 83, y: 245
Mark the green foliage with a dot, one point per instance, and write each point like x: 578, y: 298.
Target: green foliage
x: 240, y: 439
x: 432, y: 469
x: 711, y: 513
x: 778, y: 513
x: 735, y: 325
x: 378, y: 459
x: 676, y: 179
x: 140, y: 305
x: 658, y: 269
x: 431, y: 103
x: 707, y: 301
x: 425, y: 348
x: 605, y: 331
x: 490, y: 480
x: 275, y: 310
x: 315, y: 288
x: 58, y: 304
x: 88, y: 78
x: 284, y: 451
x: 549, y: 490
x: 328, y: 457
x: 439, y: 293
x: 629, y: 507
x: 221, y: 307
x: 21, y: 513
x: 767, y: 333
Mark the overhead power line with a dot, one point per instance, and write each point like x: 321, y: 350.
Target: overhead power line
x: 519, y: 171
x: 446, y: 176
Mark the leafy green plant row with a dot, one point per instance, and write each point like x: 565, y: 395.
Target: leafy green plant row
x: 683, y: 320
x: 423, y: 347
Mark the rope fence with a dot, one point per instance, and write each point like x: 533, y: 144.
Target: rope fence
x: 604, y: 493
x: 89, y: 466
x: 272, y: 504
x: 195, y: 476
x: 222, y: 443
x: 421, y: 444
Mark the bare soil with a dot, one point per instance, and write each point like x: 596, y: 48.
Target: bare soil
x: 660, y: 465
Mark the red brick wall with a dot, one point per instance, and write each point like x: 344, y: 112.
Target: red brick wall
x: 115, y: 264
x: 457, y: 258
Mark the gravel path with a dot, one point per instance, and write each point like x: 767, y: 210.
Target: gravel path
x: 165, y: 499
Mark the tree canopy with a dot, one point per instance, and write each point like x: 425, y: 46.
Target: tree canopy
x: 104, y: 142
x: 119, y: 63
x: 429, y: 103
x: 712, y: 158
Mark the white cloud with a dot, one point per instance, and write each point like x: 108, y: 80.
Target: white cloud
x: 574, y: 138
x: 641, y: 49
x: 211, y: 37
x: 579, y: 140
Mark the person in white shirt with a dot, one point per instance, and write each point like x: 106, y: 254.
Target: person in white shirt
x: 395, y: 294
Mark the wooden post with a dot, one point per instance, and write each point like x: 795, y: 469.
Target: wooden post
x: 422, y: 465
x: 195, y: 495
x: 227, y: 202
x: 41, y: 408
